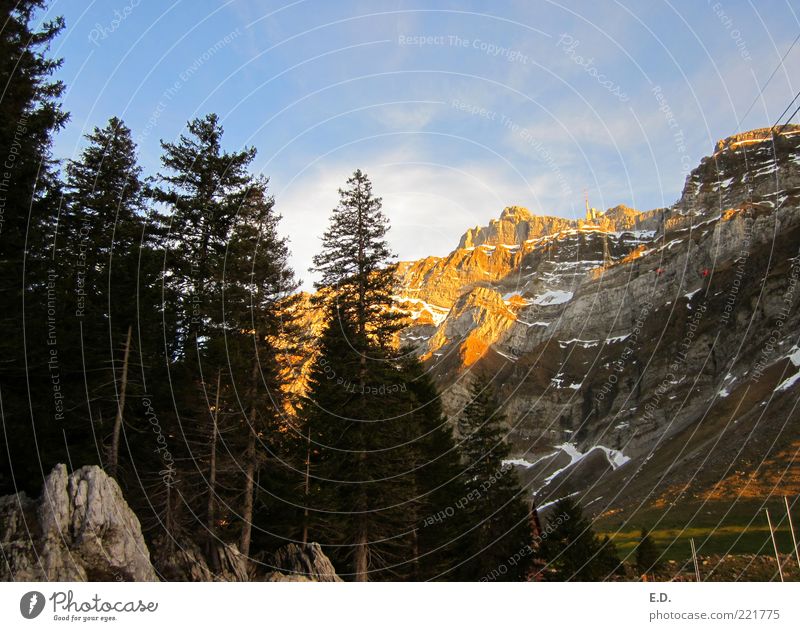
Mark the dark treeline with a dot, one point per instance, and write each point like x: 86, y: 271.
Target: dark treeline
x: 150, y: 326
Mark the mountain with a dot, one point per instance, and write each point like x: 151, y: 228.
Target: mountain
x: 640, y: 356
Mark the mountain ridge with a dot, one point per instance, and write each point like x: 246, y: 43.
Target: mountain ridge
x: 579, y: 320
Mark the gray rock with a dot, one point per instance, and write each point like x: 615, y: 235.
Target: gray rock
x: 295, y: 562
x: 80, y: 529
x: 186, y: 561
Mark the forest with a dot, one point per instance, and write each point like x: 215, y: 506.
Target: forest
x: 152, y: 326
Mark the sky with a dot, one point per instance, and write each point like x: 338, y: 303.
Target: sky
x: 455, y: 109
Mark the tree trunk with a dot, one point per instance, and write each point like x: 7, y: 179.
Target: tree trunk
x: 361, y: 554
x: 114, y: 459
x: 212, y: 478
x: 307, y: 486
x: 250, y: 469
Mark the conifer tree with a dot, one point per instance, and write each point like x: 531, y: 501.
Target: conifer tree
x: 356, y: 265
x: 572, y: 551
x: 228, y: 271
x: 258, y: 329
x: 648, y: 556
x: 30, y: 114
x: 438, y: 482
x: 202, y: 190
x: 199, y: 191
x: 494, y: 507
x: 354, y: 390
x: 361, y: 474
x: 111, y: 275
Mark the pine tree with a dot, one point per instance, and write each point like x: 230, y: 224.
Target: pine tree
x: 648, y: 555
x: 30, y: 114
x: 203, y: 190
x: 434, y: 461
x: 228, y: 271
x: 258, y: 327
x: 110, y: 287
x: 493, y: 500
x: 354, y: 390
x: 356, y: 265
x: 572, y: 551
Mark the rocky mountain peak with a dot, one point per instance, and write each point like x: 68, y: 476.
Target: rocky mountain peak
x: 761, y: 166
x: 514, y: 226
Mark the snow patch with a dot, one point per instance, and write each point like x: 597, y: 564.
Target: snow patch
x: 553, y: 297
x: 788, y: 383
x: 533, y: 323
x: 615, y: 458
x: 583, y: 343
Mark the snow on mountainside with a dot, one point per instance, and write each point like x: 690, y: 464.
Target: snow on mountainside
x: 623, y: 332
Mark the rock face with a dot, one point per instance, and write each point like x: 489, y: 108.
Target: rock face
x: 296, y: 562
x: 80, y: 529
x: 633, y: 341
x: 185, y: 561
x: 515, y: 226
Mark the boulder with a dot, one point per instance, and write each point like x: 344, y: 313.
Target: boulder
x: 80, y: 529
x: 301, y: 562
x: 186, y: 561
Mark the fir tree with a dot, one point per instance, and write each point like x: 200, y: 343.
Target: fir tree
x: 202, y: 191
x: 493, y: 506
x: 572, y: 551
x: 438, y: 483
x: 111, y: 275
x: 361, y: 475
x: 354, y: 391
x: 258, y: 329
x: 356, y: 265
x: 648, y: 555
x: 30, y: 114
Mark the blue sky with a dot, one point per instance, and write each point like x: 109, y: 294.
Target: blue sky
x: 454, y: 108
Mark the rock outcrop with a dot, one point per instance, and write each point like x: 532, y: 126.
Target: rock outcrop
x: 80, y: 529
x: 186, y: 561
x: 301, y: 562
x: 515, y: 226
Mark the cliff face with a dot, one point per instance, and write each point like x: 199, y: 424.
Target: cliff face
x: 616, y: 340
